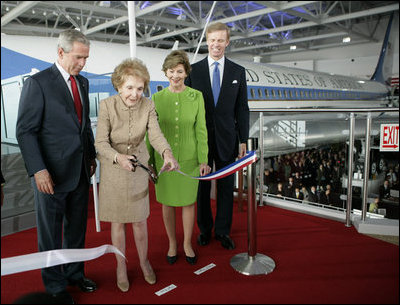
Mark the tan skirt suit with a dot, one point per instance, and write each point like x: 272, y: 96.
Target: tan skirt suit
x: 124, y: 195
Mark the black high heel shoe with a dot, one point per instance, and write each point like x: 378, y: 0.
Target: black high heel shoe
x: 191, y: 260
x: 172, y: 259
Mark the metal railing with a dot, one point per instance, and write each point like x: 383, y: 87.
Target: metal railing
x: 351, y: 112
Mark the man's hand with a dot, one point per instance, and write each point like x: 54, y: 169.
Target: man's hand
x: 242, y: 150
x: 44, y: 182
x: 93, y: 166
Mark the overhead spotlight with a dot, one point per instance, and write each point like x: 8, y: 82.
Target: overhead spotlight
x: 97, y: 20
x: 33, y: 12
x: 44, y: 13
x: 78, y: 18
x: 346, y: 39
x: 181, y: 17
x: 7, y: 8
x: 293, y: 47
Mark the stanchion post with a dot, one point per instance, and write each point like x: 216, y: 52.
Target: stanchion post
x: 252, y: 263
x: 251, y: 203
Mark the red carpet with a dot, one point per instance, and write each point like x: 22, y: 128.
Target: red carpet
x: 317, y: 261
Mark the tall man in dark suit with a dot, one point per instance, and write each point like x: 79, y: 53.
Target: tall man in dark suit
x: 56, y: 141
x: 224, y: 90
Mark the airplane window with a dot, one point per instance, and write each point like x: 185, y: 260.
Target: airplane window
x: 146, y: 92
x: 301, y: 93
x: 160, y: 87
x: 252, y: 93
x: 273, y: 92
x: 280, y: 93
x: 266, y: 92
x: 260, y: 95
x: 297, y: 93
x: 306, y: 94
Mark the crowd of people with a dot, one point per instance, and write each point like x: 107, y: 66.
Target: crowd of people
x: 315, y: 175
x: 199, y: 121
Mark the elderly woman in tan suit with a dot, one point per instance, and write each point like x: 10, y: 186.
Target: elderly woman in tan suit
x: 122, y: 124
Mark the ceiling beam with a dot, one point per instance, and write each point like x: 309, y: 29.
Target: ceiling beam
x: 17, y: 11
x: 138, y: 13
x: 286, y: 42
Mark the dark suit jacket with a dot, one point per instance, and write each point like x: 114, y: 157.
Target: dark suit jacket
x: 228, y: 122
x: 48, y: 131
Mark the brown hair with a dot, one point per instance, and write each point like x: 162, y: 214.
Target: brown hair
x: 176, y: 58
x: 130, y: 67
x: 218, y: 26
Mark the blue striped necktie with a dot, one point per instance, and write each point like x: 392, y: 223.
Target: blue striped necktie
x: 216, y: 86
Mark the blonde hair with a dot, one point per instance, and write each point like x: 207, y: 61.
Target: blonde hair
x: 130, y: 67
x: 218, y: 26
x: 176, y: 58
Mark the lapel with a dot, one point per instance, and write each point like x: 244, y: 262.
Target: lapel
x: 65, y: 95
x: 206, y: 74
x: 226, y: 77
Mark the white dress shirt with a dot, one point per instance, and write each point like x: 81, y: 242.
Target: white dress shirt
x: 211, y: 67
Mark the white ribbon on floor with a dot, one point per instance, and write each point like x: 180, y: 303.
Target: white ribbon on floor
x: 51, y: 258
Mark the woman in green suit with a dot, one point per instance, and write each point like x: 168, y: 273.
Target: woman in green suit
x: 181, y: 117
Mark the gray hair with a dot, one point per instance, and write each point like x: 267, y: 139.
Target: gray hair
x: 68, y: 37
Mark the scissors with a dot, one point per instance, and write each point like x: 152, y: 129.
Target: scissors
x: 137, y: 163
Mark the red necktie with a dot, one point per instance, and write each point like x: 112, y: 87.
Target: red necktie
x: 77, y: 99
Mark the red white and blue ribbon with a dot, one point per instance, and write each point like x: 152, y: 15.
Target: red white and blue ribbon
x: 248, y: 159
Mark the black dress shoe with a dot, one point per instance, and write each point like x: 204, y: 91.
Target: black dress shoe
x: 203, y: 239
x: 226, y: 241
x: 172, y: 259
x: 191, y: 259
x: 84, y: 284
x: 62, y: 297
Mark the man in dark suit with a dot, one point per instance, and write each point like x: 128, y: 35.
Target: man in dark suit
x: 56, y: 141
x: 313, y: 195
x: 384, y: 190
x: 224, y: 88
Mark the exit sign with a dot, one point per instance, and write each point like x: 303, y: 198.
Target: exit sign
x: 389, y: 137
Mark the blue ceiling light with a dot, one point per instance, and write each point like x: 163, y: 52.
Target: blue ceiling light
x: 144, y: 5
x: 175, y: 11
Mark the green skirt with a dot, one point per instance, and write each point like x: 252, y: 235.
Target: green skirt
x: 175, y: 189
